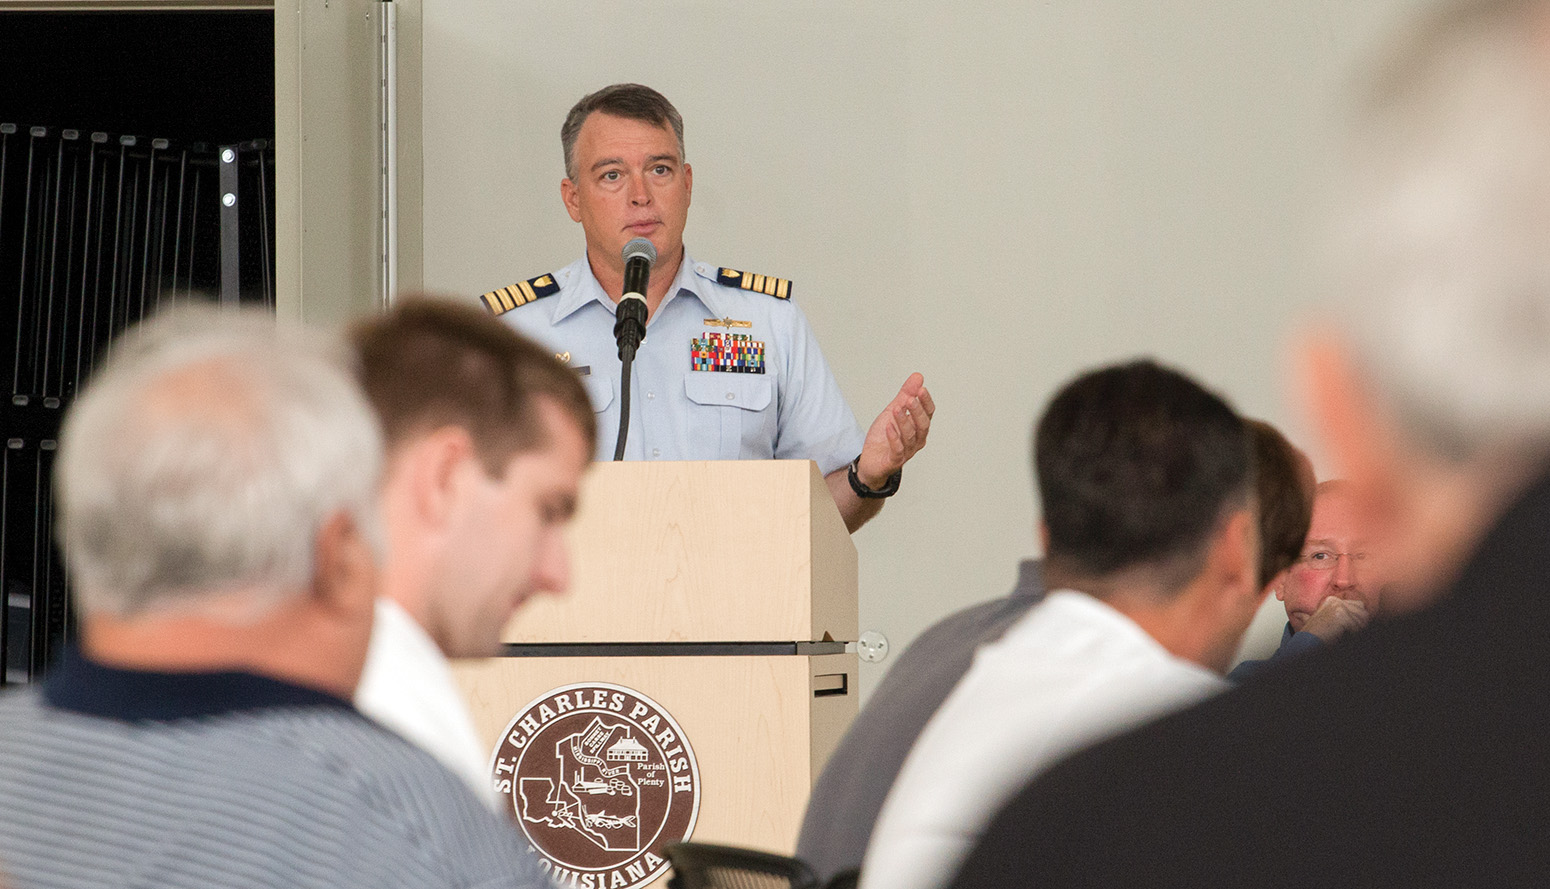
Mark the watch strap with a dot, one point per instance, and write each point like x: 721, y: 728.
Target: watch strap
x: 890, y: 488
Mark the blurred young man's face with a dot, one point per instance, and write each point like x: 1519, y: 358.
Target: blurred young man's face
x: 509, y: 542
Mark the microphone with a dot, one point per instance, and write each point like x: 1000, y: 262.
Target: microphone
x: 630, y: 323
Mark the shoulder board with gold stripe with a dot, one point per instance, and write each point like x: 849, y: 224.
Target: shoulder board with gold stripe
x: 780, y: 288
x: 521, y: 293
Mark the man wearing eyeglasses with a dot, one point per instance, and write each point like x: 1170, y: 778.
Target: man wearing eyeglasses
x: 1329, y: 591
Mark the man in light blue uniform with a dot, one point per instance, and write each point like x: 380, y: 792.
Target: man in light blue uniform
x: 793, y: 408
x: 730, y: 368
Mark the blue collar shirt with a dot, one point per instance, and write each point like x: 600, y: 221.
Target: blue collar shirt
x: 793, y: 409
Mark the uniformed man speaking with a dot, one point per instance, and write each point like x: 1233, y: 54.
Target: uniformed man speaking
x: 730, y: 369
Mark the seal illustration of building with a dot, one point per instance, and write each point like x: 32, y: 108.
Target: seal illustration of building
x: 627, y: 750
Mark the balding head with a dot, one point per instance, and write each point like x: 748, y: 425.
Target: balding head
x: 1334, y: 559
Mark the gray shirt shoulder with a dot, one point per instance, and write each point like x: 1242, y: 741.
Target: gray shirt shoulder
x: 850, y: 791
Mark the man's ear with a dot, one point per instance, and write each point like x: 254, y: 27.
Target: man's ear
x: 1044, y: 537
x: 1221, y: 600
x: 344, y: 574
x: 430, y: 468
x: 571, y: 199
x: 1342, y: 409
x: 1358, y: 432
x: 1234, y: 555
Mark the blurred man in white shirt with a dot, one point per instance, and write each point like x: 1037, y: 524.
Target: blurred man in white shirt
x: 1152, y: 559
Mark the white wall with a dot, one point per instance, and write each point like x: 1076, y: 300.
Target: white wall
x: 996, y: 194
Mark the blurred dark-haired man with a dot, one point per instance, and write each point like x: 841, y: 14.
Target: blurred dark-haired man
x: 487, y: 437
x: 1147, y: 487
x: 848, y: 795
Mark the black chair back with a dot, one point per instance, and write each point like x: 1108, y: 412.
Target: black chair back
x: 709, y: 866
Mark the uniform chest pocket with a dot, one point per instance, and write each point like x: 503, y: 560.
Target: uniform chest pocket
x: 600, y: 391
x: 732, y: 416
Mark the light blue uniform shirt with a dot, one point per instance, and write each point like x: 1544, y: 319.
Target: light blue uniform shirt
x: 794, y: 410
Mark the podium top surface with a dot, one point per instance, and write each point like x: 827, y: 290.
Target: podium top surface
x: 724, y: 551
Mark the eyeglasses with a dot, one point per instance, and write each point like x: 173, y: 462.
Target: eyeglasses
x: 1326, y: 560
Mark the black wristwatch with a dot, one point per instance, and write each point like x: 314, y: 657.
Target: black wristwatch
x: 890, y: 488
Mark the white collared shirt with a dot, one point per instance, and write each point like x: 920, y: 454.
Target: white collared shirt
x: 1070, y: 672
x: 408, y: 687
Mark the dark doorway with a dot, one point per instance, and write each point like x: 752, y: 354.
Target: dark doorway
x: 184, y: 76
x: 136, y: 169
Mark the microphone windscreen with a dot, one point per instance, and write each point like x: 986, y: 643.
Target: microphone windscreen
x: 640, y: 247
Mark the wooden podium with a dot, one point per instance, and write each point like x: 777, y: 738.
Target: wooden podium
x: 693, y: 680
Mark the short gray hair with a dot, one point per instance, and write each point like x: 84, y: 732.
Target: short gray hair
x: 1441, y: 250
x: 205, y: 457
x: 631, y: 101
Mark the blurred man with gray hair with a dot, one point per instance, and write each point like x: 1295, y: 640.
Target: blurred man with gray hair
x: 1414, y: 753
x: 216, y: 488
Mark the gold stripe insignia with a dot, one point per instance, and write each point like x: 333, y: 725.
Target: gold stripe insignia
x: 766, y: 284
x: 521, y: 293
x: 770, y: 285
